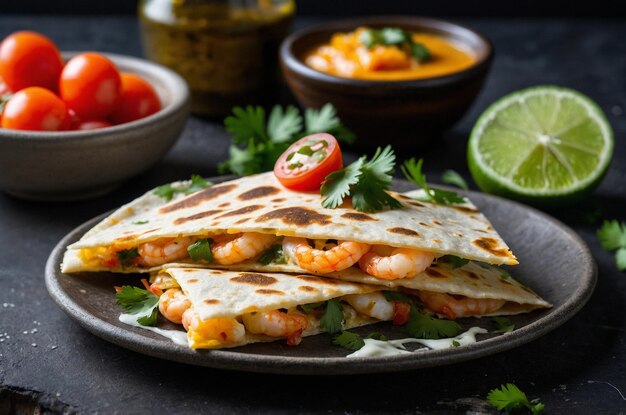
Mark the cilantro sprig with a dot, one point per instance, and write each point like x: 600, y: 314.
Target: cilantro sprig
x: 201, y: 250
x: 353, y: 341
x: 365, y: 181
x: 274, y: 254
x: 127, y: 256
x: 455, y: 261
x: 167, y: 191
x: 503, y: 325
x: 394, y: 36
x: 257, y: 142
x: 139, y: 302
x: 612, y: 236
x: 332, y: 320
x: 510, y: 398
x: 420, y: 325
x: 453, y: 178
x: 412, y: 170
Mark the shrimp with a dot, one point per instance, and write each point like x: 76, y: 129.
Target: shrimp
x: 212, y: 332
x: 172, y: 304
x: 277, y: 324
x: 231, y: 250
x: 453, y: 306
x: 400, y: 263
x: 164, y: 250
x: 342, y: 256
x: 373, y: 305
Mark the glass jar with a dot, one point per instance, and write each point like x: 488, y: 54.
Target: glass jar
x: 227, y: 50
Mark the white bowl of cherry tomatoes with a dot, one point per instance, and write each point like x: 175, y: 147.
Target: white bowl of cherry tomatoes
x: 74, y: 125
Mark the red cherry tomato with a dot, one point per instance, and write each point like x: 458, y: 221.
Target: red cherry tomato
x: 4, y: 88
x: 36, y: 109
x: 307, y: 162
x: 90, y: 85
x: 29, y: 59
x: 137, y: 100
x: 92, y: 125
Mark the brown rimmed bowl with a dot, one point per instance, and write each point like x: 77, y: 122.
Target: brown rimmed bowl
x: 71, y: 165
x: 407, y: 113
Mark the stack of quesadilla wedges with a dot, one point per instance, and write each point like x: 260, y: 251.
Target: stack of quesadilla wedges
x: 259, y: 259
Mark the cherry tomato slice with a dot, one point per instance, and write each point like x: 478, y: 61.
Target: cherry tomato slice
x: 137, y: 100
x: 29, y: 59
x: 307, y: 162
x: 90, y: 85
x: 35, y: 109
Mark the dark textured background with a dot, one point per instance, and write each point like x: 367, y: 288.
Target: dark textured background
x: 48, y: 362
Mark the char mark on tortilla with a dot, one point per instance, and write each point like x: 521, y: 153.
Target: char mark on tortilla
x: 201, y: 215
x: 403, y: 231
x: 491, y: 245
x: 197, y: 198
x: 254, y: 279
x: 362, y: 217
x: 240, y: 211
x: 296, y: 216
x: 257, y: 192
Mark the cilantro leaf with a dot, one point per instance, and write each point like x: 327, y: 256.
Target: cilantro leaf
x: 365, y: 181
x: 455, y: 261
x: 201, y: 250
x: 282, y: 125
x: 455, y: 343
x: 394, y: 36
x: 349, y: 340
x: 247, y: 124
x: 454, y: 179
x: 126, y: 256
x: 332, y: 320
x: 620, y: 259
x: 377, y: 336
x: 612, y: 234
x: 413, y: 172
x: 509, y: 397
x: 167, y: 191
x: 274, y: 255
x: 337, y: 185
x: 140, y: 222
x: 307, y: 308
x: 504, y: 325
x: 257, y: 145
x: 139, y: 302
x: 422, y: 326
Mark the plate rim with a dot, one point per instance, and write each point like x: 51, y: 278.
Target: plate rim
x: 132, y: 339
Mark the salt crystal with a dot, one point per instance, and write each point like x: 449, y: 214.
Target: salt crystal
x: 34, y: 344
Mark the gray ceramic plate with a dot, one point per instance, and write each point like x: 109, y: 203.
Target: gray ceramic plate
x: 555, y: 262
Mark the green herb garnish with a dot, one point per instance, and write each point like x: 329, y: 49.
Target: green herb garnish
x: 455, y: 343
x: 353, y: 341
x: 201, y: 250
x: 257, y: 144
x: 139, y: 302
x: 349, y: 340
x: 454, y: 179
x: 422, y: 326
x: 332, y: 320
x: 505, y: 276
x: 503, y: 324
x: 455, y: 261
x: 308, y: 308
x: 413, y: 172
x: 509, y: 398
x: 274, y: 255
x: 394, y: 36
x: 126, y: 256
x: 365, y: 181
x: 140, y: 222
x: 612, y: 236
x: 3, y: 101
x: 167, y: 191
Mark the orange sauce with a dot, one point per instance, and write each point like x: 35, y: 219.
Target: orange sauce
x: 346, y: 56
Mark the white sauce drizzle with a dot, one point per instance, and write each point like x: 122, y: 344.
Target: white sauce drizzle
x: 378, y: 348
x: 176, y: 336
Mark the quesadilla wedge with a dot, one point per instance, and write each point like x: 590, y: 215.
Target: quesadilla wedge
x: 228, y: 309
x: 238, y: 221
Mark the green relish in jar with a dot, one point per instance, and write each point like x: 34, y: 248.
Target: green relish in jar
x: 227, y: 50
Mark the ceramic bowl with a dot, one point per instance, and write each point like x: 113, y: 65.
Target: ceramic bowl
x: 70, y: 165
x: 407, y: 113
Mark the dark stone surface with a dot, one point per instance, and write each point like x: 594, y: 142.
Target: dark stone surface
x: 48, y: 361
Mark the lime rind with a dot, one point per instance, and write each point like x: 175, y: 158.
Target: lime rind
x: 535, y: 121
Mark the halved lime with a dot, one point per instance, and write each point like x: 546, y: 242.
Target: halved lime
x: 545, y: 145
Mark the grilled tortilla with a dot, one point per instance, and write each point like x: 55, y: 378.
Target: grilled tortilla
x: 225, y: 299
x: 260, y: 204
